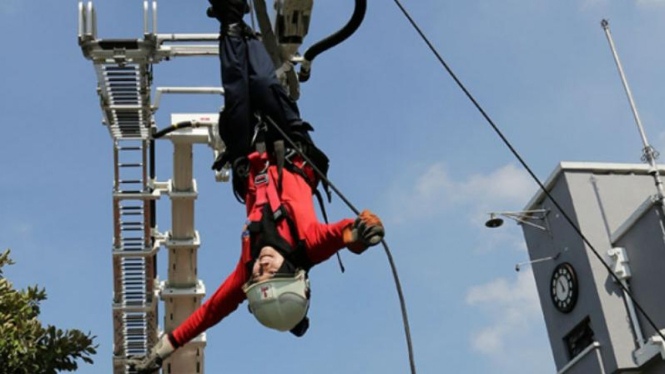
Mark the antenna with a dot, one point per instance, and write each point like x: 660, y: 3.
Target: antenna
x: 649, y: 154
x: 550, y: 258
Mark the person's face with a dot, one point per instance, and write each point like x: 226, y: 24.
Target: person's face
x: 267, y: 265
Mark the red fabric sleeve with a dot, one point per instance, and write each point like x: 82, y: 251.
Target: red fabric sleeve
x: 323, y: 241
x: 222, y: 303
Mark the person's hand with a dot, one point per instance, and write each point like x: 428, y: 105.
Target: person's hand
x: 210, y: 12
x: 220, y: 162
x: 152, y: 362
x: 366, y: 231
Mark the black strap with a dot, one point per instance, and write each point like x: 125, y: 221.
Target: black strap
x: 264, y: 233
x: 299, y: 254
x: 280, y: 155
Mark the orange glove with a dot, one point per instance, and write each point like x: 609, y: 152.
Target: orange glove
x: 366, y: 231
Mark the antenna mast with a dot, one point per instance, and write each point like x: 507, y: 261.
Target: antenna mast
x: 649, y: 154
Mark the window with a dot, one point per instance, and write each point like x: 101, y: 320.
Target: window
x: 579, y: 338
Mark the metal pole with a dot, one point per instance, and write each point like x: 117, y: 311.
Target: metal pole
x: 145, y: 17
x: 649, y: 154
x: 154, y: 17
x: 184, y: 90
x: 187, y: 37
x: 639, y: 337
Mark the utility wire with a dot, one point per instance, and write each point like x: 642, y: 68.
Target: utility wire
x: 528, y: 169
x: 398, y: 285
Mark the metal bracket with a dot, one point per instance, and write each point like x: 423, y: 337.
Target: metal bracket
x: 619, y: 261
x: 120, y: 56
x: 653, y: 347
x: 292, y: 24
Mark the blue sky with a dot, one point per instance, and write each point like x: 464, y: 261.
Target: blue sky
x: 403, y: 140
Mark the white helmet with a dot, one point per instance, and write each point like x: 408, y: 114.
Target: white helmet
x: 279, y: 303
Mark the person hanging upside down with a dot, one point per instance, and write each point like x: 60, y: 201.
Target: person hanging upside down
x: 283, y: 238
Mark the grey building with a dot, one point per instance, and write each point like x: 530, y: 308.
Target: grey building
x: 593, y: 325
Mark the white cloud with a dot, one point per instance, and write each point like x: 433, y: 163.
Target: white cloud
x: 507, y: 184
x: 435, y: 191
x: 434, y: 181
x: 513, y: 310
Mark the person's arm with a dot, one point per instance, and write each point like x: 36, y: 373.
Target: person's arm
x: 227, y: 298
x: 222, y: 303
x: 324, y: 240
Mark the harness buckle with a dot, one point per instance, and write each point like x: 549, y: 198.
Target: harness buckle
x: 261, y: 179
x: 280, y: 213
x: 260, y: 127
x: 290, y: 152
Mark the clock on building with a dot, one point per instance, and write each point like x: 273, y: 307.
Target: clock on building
x: 563, y: 287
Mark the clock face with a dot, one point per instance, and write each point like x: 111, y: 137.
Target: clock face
x: 563, y: 287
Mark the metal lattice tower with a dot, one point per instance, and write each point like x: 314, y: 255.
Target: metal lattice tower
x: 124, y: 74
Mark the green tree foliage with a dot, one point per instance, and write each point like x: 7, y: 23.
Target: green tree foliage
x: 27, y: 347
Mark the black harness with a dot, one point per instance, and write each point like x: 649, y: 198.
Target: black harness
x: 264, y: 232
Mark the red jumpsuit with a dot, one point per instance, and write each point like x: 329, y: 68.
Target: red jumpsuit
x: 321, y: 242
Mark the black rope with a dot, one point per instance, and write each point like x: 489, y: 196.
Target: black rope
x: 398, y: 285
x: 528, y: 169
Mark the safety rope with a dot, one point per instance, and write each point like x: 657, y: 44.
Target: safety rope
x: 528, y: 169
x: 398, y: 285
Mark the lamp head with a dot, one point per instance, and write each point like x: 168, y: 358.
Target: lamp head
x: 494, y: 221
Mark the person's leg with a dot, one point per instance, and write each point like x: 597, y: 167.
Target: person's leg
x: 267, y: 94
x: 235, y: 121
